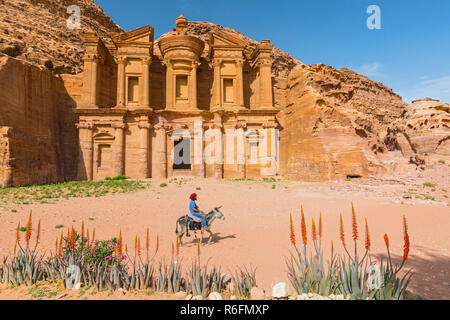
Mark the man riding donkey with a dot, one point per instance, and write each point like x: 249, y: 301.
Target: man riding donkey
x: 196, y: 214
x: 197, y: 220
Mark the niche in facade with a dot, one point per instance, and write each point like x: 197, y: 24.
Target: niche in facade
x: 133, y: 89
x: 182, y: 88
x: 228, y: 91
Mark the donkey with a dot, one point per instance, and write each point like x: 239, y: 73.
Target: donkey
x: 210, y: 217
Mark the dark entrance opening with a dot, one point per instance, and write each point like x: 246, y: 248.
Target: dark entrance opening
x: 182, y: 154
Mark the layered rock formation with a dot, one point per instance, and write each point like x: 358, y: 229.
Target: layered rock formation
x: 423, y: 128
x: 38, y: 137
x: 334, y: 124
x: 29, y: 124
x: 36, y: 31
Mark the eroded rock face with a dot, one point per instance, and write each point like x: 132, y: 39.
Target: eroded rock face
x: 423, y: 128
x: 334, y: 124
x: 36, y: 31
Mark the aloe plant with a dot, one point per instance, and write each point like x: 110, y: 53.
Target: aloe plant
x: 243, y: 281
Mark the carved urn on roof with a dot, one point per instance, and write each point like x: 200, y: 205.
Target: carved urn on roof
x: 181, y: 45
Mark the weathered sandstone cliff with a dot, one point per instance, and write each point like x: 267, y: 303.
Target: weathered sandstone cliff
x: 423, y: 128
x: 334, y: 124
x: 36, y: 31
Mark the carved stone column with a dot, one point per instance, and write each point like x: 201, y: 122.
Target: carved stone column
x: 121, y: 80
x: 198, y: 145
x: 239, y: 83
x: 90, y: 84
x: 144, y: 148
x: 85, y: 159
x: 146, y: 61
x: 169, y: 85
x: 218, y: 140
x: 241, y: 126
x: 160, y: 166
x: 119, y: 150
x: 193, y: 86
x: 265, y: 83
x: 216, y: 94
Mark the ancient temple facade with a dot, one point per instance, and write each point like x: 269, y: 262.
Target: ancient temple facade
x: 139, y: 102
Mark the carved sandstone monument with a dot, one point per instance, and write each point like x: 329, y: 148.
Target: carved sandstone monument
x: 133, y: 102
x: 98, y: 102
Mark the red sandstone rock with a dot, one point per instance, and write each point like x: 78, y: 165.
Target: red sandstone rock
x: 335, y: 123
x: 36, y: 31
x: 423, y: 128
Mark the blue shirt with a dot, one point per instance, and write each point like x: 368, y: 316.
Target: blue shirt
x: 193, y: 205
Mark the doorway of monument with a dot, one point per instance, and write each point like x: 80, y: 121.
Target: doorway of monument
x: 103, y: 155
x: 182, y: 154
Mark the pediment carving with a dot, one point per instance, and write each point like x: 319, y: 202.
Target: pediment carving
x: 142, y: 34
x: 225, y: 39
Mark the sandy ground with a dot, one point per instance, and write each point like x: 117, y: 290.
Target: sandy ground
x: 256, y: 230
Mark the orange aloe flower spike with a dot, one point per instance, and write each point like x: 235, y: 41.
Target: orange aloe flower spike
x: 354, y: 224
x: 291, y: 231
x: 367, y: 237
x: 18, y: 233
x: 386, y: 240
x: 406, y: 239
x: 341, y: 233
x: 313, y: 230
x: 38, y: 234
x: 303, y: 227
x: 320, y: 225
x: 29, y: 227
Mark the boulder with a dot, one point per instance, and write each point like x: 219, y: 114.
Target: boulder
x: 280, y: 290
x: 180, y: 294
x: 215, y: 296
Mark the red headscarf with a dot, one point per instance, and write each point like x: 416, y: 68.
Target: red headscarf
x: 194, y: 195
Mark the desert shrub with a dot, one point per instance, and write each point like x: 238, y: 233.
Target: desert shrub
x: 353, y: 275
x: 119, y: 177
x: 16, y: 196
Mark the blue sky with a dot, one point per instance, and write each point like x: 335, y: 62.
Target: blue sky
x: 410, y: 53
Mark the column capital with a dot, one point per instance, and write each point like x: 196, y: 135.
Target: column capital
x: 88, y: 57
x: 265, y: 62
x: 240, y: 62
x: 162, y: 126
x: 85, y: 125
x: 241, y: 125
x: 120, y: 59
x: 118, y: 125
x: 144, y: 125
x: 269, y: 125
x: 217, y: 62
x: 146, y: 60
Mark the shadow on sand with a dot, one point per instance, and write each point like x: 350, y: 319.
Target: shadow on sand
x: 216, y: 238
x: 431, y: 278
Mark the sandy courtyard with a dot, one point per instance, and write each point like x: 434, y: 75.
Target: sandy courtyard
x: 256, y: 230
